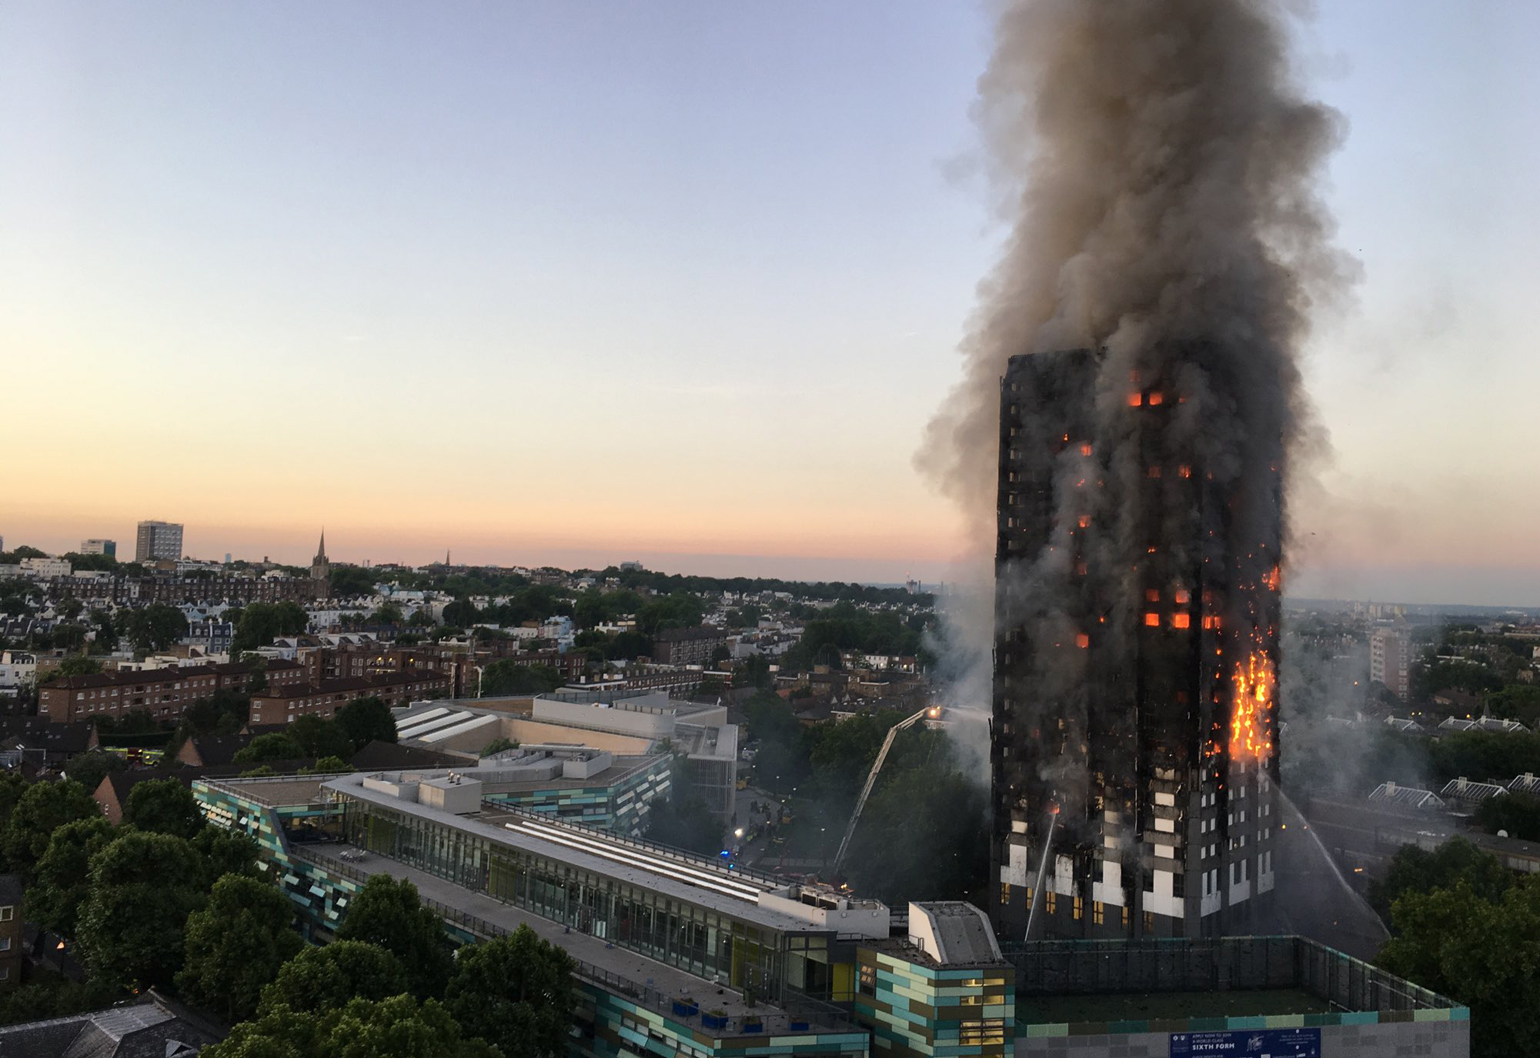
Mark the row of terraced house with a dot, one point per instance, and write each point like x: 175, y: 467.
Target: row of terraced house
x: 163, y: 693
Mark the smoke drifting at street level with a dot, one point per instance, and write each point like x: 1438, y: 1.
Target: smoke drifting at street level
x: 1158, y: 166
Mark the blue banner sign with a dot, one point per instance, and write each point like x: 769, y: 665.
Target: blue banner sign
x: 1262, y: 1043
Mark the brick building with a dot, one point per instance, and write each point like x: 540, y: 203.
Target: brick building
x: 282, y: 705
x: 163, y: 693
x: 687, y: 646
x: 11, y: 945
x: 190, y: 588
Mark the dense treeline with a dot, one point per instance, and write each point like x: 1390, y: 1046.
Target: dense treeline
x: 1447, y: 908
x: 168, y: 901
x: 923, y: 831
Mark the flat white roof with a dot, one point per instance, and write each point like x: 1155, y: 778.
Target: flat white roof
x: 466, y: 724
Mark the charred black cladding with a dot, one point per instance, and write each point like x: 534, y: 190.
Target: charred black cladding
x: 1134, y: 746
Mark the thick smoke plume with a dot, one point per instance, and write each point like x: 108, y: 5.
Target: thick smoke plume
x: 1157, y: 165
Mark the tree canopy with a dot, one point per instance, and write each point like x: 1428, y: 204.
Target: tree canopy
x: 366, y: 720
x: 275, y: 745
x: 63, y: 874
x: 388, y: 913
x: 1517, y: 814
x: 154, y: 627
x: 319, y: 979
x: 1480, y: 950
x: 236, y: 946
x: 319, y: 737
x: 506, y: 676
x: 163, y: 806
x: 515, y: 993
x: 397, y: 1027
x: 1456, y: 861
x: 142, y: 889
x: 40, y: 810
x: 262, y: 622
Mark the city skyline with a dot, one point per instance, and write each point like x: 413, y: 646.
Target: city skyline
x: 727, y: 309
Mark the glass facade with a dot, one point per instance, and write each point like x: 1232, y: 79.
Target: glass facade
x: 700, y: 940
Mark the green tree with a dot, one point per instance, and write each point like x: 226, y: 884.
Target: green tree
x: 923, y: 835
x: 275, y: 745
x: 262, y: 622
x: 326, y: 766
x: 397, y: 1027
x: 367, y: 720
x: 1516, y: 813
x: 676, y: 610
x: 70, y: 607
x: 507, y: 677
x: 515, y: 993
x: 389, y: 913
x: 42, y: 809
x: 462, y: 613
x: 12, y: 786
x: 142, y: 889
x: 154, y: 627
x: 320, y: 737
x: 223, y: 852
x: 106, y: 631
x: 48, y: 995
x: 78, y: 666
x: 348, y: 582
x: 91, y: 767
x: 63, y: 874
x: 498, y: 745
x: 1479, y: 951
x: 319, y: 979
x: 236, y: 945
x: 1416, y: 870
x: 626, y: 646
x: 163, y: 806
x: 388, y: 614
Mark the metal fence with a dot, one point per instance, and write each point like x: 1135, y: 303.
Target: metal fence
x: 1086, y: 967
x: 1353, y: 984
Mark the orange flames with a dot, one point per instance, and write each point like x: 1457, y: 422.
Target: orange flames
x: 1249, y: 723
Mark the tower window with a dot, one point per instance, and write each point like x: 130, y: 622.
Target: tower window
x: 1152, y: 620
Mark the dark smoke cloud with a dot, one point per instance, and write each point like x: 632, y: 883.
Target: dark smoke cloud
x: 1157, y: 164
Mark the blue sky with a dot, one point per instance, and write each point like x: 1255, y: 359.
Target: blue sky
x: 577, y: 282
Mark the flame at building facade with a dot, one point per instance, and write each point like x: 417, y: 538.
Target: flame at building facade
x: 1134, y: 740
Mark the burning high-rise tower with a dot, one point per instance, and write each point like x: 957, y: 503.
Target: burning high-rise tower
x: 1134, y: 746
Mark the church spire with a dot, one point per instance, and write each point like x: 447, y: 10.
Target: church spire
x: 320, y: 567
